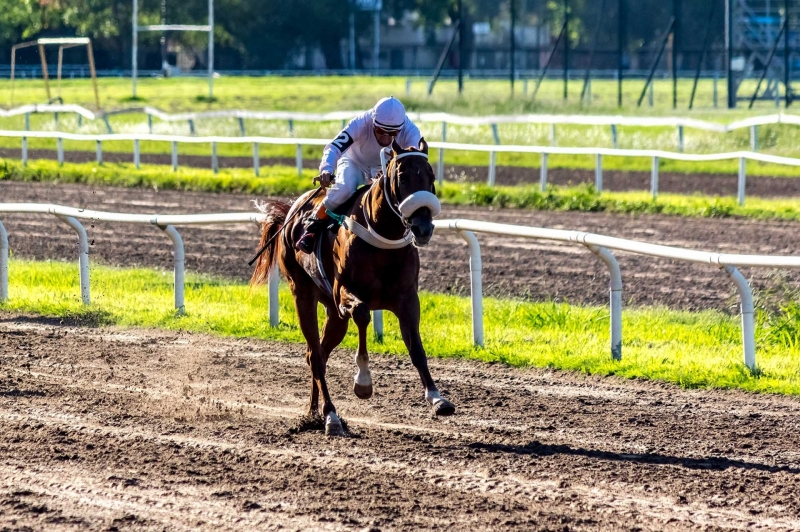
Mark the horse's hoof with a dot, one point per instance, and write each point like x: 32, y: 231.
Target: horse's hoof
x: 362, y: 391
x: 443, y: 407
x: 333, y: 426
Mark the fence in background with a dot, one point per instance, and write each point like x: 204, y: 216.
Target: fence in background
x: 613, y: 122
x: 597, y: 244
x: 491, y: 149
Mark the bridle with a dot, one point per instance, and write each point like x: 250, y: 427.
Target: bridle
x: 391, y: 197
x: 413, y: 202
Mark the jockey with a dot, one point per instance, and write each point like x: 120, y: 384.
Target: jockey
x: 355, y: 154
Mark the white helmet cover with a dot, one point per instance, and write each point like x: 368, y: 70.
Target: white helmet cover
x: 389, y: 114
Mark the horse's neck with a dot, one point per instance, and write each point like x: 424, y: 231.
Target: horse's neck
x: 380, y: 215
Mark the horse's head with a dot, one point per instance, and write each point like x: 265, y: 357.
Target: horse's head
x: 411, y: 181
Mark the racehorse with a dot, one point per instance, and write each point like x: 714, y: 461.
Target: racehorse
x: 371, y: 265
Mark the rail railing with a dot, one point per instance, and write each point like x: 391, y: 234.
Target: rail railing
x: 598, y: 244
x: 491, y: 149
x: 611, y: 121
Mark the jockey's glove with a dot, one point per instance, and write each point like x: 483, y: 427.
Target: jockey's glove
x: 324, y: 179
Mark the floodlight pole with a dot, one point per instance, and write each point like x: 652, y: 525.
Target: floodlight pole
x: 210, y: 50
x: 731, y: 89
x: 135, y: 48
x: 461, y: 47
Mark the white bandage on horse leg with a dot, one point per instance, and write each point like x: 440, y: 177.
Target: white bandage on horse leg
x: 363, y: 376
x: 432, y: 397
x: 420, y: 199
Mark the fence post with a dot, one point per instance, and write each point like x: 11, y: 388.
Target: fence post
x: 440, y: 164
x: 27, y: 121
x: 680, y: 138
x: 273, y: 285
x: 291, y: 126
x: 753, y: 138
x: 3, y: 264
x: 654, y: 178
x: 543, y: 173
x: 748, y: 327
x: 60, y: 148
x: 742, y: 178
x: 377, y: 324
x: 614, y: 136
x: 83, y: 255
x: 408, y: 87
x: 174, y: 156
x: 241, y: 126
x: 598, y: 173
x: 80, y: 122
x: 136, y: 158
x: 476, y: 286
x: 492, y: 167
x: 298, y: 157
x: 615, y: 303
x: 99, y: 150
x: 214, y: 160
x: 179, y: 261
x: 495, y: 134
x: 256, y: 160
x: 25, y: 151
x: 150, y: 123
x: 553, y: 134
x: 191, y: 127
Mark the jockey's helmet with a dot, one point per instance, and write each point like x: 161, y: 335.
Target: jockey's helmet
x: 389, y: 115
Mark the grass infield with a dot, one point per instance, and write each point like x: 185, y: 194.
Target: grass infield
x: 693, y: 350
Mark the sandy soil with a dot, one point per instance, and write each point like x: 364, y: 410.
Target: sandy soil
x: 110, y: 429
x: 514, y: 267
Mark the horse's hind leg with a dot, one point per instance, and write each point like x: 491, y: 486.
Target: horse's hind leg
x: 307, y: 313
x: 408, y: 316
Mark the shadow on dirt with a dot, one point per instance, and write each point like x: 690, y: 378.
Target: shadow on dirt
x: 88, y: 318
x: 714, y: 463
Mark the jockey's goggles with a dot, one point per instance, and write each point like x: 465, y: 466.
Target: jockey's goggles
x: 387, y: 131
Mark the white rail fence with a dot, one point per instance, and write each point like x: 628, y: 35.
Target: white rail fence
x: 611, y: 121
x: 598, y: 244
x: 491, y: 149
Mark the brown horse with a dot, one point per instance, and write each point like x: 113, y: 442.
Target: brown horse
x: 371, y: 266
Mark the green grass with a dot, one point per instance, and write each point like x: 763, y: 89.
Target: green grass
x: 283, y: 181
x: 694, y: 350
x: 481, y: 97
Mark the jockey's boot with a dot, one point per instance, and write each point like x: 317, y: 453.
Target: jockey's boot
x: 314, y: 227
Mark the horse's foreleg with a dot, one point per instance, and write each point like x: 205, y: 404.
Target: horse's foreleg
x: 350, y: 305
x: 363, y: 380
x: 408, y: 316
x: 307, y: 314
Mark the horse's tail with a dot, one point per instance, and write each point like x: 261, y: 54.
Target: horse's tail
x: 275, y: 212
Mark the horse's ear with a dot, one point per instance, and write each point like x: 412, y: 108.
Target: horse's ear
x: 396, y: 147
x: 423, y: 146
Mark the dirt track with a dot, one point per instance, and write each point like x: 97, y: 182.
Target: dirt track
x: 515, y: 267
x: 110, y: 429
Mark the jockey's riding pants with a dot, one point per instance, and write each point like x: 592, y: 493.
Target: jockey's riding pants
x: 349, y: 176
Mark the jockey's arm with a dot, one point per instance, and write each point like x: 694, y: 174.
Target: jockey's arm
x: 335, y: 148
